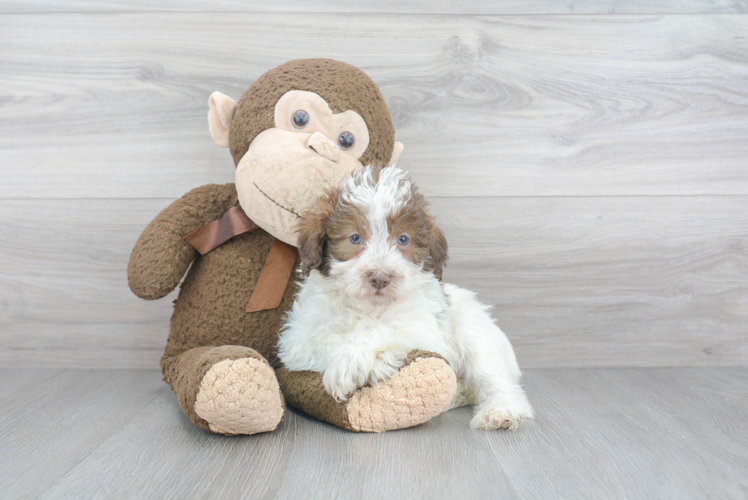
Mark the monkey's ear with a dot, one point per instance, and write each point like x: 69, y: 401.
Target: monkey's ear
x: 312, y: 234
x: 438, y: 253
x: 222, y: 109
x: 396, y: 152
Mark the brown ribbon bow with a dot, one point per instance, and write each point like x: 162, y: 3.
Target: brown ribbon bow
x: 278, y: 267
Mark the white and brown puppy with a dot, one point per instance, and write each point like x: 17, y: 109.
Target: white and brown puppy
x: 374, y: 257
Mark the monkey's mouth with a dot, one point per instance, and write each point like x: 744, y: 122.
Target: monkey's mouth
x: 275, y: 202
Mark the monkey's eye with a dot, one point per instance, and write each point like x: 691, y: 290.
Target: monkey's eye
x: 300, y: 119
x: 403, y: 240
x: 346, y: 140
x: 355, y: 239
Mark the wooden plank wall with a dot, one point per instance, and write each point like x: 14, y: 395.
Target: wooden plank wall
x: 590, y: 171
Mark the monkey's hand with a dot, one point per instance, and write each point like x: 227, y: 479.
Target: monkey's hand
x: 161, y: 256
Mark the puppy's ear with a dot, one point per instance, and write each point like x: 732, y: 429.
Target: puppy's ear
x: 438, y: 253
x: 312, y: 234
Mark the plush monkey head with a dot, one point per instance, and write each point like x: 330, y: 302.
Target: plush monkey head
x: 299, y: 129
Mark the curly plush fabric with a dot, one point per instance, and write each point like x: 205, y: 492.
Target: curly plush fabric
x: 343, y: 86
x: 240, y: 396
x: 161, y: 256
x: 417, y: 393
x: 422, y: 389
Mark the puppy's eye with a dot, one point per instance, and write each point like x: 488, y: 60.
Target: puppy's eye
x: 403, y: 240
x: 355, y: 239
x: 346, y: 140
x: 300, y: 119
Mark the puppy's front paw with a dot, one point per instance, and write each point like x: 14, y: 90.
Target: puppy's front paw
x: 386, y: 365
x: 343, y: 375
x: 501, y: 415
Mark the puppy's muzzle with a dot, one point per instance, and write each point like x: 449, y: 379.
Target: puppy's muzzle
x: 380, y: 280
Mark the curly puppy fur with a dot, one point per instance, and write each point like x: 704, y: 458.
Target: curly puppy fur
x: 373, y: 257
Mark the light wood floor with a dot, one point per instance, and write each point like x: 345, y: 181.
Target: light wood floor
x: 599, y: 433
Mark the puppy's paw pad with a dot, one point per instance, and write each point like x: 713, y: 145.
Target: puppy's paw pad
x: 497, y: 417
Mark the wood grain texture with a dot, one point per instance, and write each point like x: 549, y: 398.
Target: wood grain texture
x: 589, y: 170
x: 114, y: 105
x: 389, y: 6
x: 46, y: 428
x: 22, y: 381
x: 65, y: 298
x: 244, y: 467
x: 598, y: 433
x: 642, y: 281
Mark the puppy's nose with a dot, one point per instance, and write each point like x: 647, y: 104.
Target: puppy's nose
x: 380, y: 280
x: 323, y: 146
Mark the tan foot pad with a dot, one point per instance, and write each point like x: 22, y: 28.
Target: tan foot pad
x: 414, y: 395
x: 240, y: 396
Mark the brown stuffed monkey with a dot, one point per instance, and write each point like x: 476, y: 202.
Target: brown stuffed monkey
x: 298, y: 129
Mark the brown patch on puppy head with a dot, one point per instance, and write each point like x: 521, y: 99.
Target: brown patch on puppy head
x: 341, y: 226
x: 438, y: 254
x: 427, y: 245
x: 325, y: 231
x: 312, y: 233
x: 343, y: 86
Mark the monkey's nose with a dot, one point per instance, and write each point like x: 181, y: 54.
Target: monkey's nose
x: 380, y: 280
x: 323, y: 146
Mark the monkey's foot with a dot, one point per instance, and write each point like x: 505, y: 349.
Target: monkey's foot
x: 240, y: 396
x: 419, y: 391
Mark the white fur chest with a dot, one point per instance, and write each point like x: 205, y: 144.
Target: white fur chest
x: 324, y: 318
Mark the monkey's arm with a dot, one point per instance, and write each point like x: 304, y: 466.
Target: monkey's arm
x: 161, y: 256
